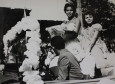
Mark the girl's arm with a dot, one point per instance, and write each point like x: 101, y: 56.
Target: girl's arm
x: 97, y: 28
x: 93, y: 41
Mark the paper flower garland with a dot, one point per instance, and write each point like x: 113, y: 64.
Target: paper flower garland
x: 33, y: 48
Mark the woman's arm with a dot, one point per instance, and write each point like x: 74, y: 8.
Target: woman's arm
x: 78, y: 25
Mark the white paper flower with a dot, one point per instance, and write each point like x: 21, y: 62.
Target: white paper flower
x: 30, y: 53
x: 30, y: 77
x: 47, y: 61
x: 35, y: 40
x: 26, y: 66
x: 34, y: 62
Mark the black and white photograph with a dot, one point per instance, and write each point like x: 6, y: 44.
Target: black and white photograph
x: 57, y: 41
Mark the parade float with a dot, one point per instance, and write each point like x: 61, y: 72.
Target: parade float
x: 35, y: 65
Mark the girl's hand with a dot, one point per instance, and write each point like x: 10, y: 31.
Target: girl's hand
x: 87, y: 52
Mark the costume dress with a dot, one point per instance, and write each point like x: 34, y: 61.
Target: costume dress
x: 74, y: 45
x: 96, y: 56
x: 59, y: 30
x: 96, y: 51
x: 71, y: 24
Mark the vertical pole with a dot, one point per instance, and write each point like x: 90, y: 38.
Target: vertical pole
x: 25, y: 9
x: 79, y: 10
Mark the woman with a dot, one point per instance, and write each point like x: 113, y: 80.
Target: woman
x: 91, y: 43
x: 72, y: 28
x: 69, y: 30
x: 73, y: 23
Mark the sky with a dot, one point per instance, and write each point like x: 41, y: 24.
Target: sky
x: 41, y: 9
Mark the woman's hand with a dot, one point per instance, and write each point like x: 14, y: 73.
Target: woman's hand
x: 65, y: 29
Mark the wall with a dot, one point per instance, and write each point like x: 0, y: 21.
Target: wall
x: 41, y: 9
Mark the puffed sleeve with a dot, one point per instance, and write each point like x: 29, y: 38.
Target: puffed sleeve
x: 97, y: 27
x: 55, y: 30
x: 63, y: 68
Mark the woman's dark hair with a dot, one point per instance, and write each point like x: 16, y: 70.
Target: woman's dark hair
x: 58, y: 42
x: 95, y: 19
x: 70, y: 4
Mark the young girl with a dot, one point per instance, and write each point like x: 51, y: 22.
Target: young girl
x: 91, y: 43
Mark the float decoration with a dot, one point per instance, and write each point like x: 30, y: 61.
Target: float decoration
x: 31, y: 26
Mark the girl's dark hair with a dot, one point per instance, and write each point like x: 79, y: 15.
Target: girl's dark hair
x: 58, y: 42
x: 95, y: 19
x: 70, y: 4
